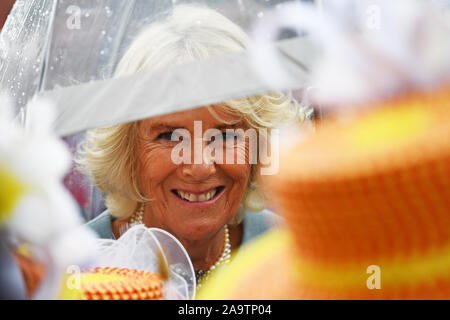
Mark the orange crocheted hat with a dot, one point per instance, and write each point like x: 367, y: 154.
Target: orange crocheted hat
x: 116, y: 284
x: 367, y: 206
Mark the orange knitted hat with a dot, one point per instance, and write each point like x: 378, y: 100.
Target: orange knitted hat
x: 367, y: 206
x: 116, y: 284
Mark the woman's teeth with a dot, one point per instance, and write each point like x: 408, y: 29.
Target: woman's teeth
x: 196, y: 198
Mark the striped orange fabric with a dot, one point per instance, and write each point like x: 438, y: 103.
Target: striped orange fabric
x: 118, y: 284
x: 374, y: 191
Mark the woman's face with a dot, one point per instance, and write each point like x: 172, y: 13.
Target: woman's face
x: 191, y: 200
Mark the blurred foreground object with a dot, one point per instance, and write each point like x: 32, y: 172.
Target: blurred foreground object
x: 12, y: 282
x: 36, y: 211
x: 117, y: 284
x: 367, y: 199
x: 371, y: 49
x: 372, y: 194
x: 32, y: 272
x: 150, y: 259
x: 143, y: 264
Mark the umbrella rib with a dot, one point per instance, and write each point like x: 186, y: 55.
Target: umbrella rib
x: 47, y: 46
x: 293, y: 60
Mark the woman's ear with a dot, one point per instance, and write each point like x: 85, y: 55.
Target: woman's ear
x: 119, y: 206
x: 254, y: 199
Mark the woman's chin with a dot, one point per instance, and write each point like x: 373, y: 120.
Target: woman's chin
x: 198, y: 220
x: 196, y: 231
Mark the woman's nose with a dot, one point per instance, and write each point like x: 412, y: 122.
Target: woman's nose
x: 199, y: 169
x: 199, y: 172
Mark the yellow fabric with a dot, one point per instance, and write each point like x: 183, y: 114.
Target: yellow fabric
x: 390, y: 127
x: 24, y: 250
x: 402, y: 271
x: 11, y: 190
x: 224, y: 280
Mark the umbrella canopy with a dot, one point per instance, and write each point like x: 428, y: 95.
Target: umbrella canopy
x: 50, y: 44
x: 67, y: 51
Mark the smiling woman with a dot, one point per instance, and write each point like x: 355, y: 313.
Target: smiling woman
x: 202, y: 201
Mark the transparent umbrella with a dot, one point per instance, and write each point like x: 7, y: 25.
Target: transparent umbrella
x: 50, y: 44
x: 68, y: 51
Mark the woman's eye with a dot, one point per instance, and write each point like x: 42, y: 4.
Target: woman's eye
x: 228, y: 138
x: 171, y: 136
x: 228, y: 135
x: 165, y: 136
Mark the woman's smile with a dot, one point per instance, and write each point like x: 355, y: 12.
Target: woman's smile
x: 199, y: 198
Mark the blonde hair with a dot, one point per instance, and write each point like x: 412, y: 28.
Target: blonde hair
x: 189, y: 33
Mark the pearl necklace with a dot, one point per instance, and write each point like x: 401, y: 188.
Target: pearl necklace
x: 138, y: 216
x: 201, y: 275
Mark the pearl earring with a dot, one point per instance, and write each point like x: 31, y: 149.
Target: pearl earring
x: 254, y: 200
